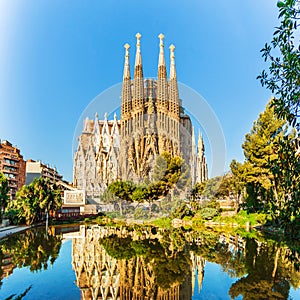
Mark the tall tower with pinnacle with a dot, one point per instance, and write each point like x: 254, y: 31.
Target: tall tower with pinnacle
x: 201, y: 167
x: 152, y: 122
x: 150, y: 125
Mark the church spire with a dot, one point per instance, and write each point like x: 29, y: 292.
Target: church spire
x: 126, y: 74
x: 138, y: 70
x: 138, y: 82
x: 162, y: 82
x: 126, y: 86
x: 161, y: 60
x: 193, y: 157
x: 172, y: 65
x: 173, y: 86
x: 200, y: 144
x: 162, y: 72
x: 201, y: 171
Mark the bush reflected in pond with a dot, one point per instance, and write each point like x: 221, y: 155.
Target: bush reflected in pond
x: 146, y: 261
x: 32, y: 248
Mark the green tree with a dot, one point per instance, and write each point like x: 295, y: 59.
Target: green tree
x: 140, y: 193
x: 283, y: 76
x: 211, y: 187
x: 123, y: 190
x: 283, y: 79
x: 33, y: 248
x: 4, y: 197
x: 35, y: 200
x: 226, y: 187
x: 198, y: 190
x: 171, y: 170
x: 239, y: 172
x: 160, y: 168
x: 259, y: 151
x: 271, y: 171
x: 170, y: 174
x: 151, y: 192
x: 183, y: 210
x: 286, y: 181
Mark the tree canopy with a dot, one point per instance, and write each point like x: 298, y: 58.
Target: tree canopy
x: 270, y: 173
x: 35, y: 200
x: 170, y: 173
x: 283, y: 75
x: 283, y: 79
x: 259, y: 151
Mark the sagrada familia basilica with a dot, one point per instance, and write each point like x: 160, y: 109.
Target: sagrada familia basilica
x: 153, y: 121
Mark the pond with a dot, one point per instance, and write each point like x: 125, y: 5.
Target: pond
x: 97, y: 262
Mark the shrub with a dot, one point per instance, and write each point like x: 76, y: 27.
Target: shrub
x: 197, y: 222
x: 182, y: 211
x: 207, y: 213
x: 140, y: 213
x: 13, y: 216
x: 162, y: 222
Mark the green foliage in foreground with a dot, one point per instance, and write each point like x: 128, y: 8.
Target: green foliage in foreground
x: 162, y: 222
x: 283, y: 54
x: 34, y: 201
x: 243, y: 218
x: 270, y: 174
x: 205, y: 211
x: 4, y: 197
x: 170, y: 176
x: 169, y: 257
x: 283, y: 79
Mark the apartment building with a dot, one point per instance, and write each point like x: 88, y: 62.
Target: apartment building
x: 12, y: 165
x: 37, y: 169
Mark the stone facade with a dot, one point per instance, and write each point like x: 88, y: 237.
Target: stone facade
x: 152, y: 121
x: 150, y: 116
x: 96, y: 158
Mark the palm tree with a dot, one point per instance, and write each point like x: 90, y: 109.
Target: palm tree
x: 36, y: 200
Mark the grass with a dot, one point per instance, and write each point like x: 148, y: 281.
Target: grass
x: 163, y: 222
x: 243, y: 218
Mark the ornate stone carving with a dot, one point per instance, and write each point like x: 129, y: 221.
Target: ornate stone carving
x: 152, y: 122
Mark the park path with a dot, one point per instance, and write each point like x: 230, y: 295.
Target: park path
x: 8, y: 230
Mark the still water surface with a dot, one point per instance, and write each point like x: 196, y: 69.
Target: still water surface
x: 94, y: 262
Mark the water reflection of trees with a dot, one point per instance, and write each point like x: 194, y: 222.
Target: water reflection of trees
x: 168, y: 258
x: 266, y: 269
x: 157, y: 263
x: 33, y: 248
x: 270, y: 271
x: 228, y: 254
x: 137, y: 264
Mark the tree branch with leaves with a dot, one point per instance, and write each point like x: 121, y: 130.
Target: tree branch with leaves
x: 283, y: 53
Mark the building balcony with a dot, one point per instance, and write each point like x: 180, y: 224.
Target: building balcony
x: 14, y: 172
x: 10, y: 162
x: 11, y: 180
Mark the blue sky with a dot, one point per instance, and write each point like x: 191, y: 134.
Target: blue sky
x: 56, y: 56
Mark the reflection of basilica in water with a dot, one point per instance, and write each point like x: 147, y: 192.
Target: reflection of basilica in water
x: 143, y: 262
x: 100, y: 276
